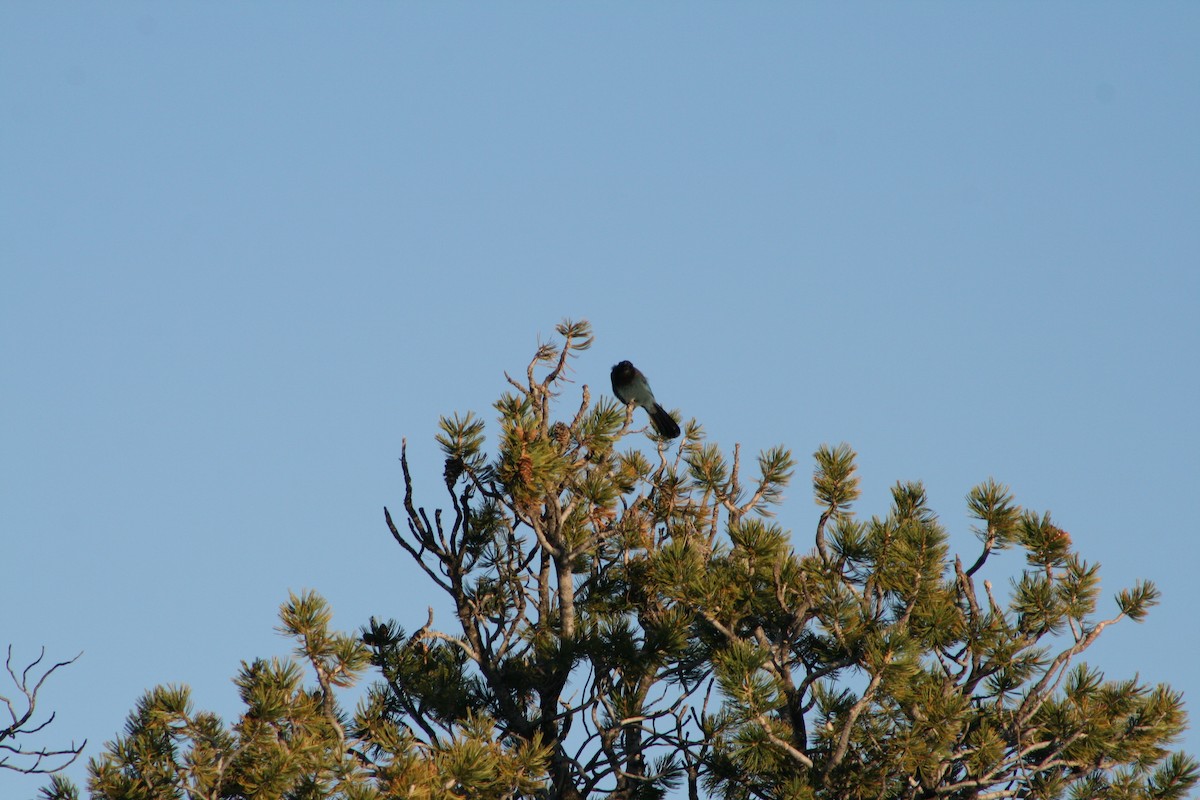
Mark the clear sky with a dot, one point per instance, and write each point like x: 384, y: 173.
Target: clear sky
x: 245, y: 249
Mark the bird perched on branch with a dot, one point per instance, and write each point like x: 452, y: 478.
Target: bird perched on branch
x: 631, y: 387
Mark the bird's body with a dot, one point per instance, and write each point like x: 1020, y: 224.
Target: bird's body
x: 631, y: 388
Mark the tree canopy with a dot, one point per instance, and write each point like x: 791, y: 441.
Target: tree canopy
x: 631, y: 622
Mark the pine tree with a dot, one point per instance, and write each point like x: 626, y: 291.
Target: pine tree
x: 638, y: 612
x: 631, y: 623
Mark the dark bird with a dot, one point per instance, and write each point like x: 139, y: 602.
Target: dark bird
x: 631, y: 387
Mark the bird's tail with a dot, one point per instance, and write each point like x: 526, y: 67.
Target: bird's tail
x: 664, y: 425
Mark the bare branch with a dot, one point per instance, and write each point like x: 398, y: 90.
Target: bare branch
x: 13, y: 755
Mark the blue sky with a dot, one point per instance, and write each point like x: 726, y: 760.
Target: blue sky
x: 246, y: 249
